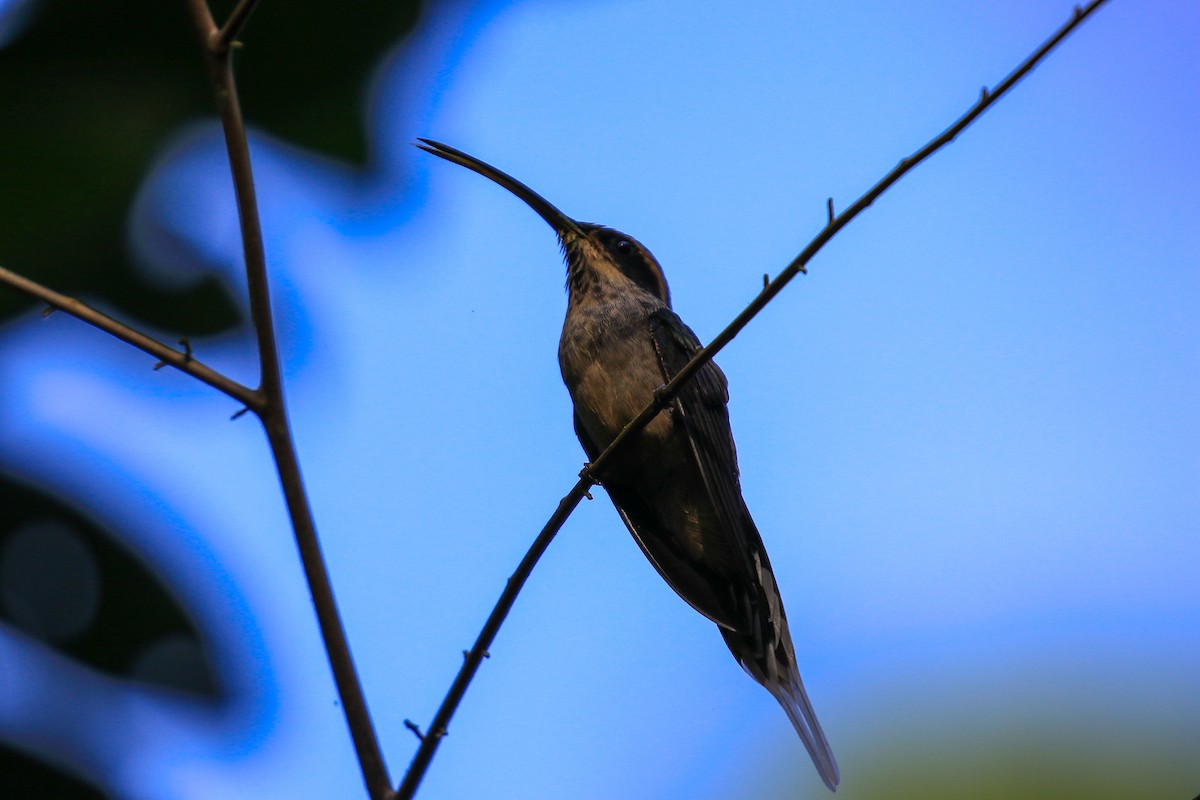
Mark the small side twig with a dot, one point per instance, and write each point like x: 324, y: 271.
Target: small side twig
x: 233, y: 27
x: 428, y: 747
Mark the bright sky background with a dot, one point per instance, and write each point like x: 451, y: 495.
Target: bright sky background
x: 970, y: 437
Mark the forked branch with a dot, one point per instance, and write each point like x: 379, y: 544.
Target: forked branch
x: 267, y: 401
x: 217, y: 48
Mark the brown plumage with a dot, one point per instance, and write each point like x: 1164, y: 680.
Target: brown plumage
x: 676, y: 484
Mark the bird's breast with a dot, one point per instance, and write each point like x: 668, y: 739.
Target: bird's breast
x: 611, y: 368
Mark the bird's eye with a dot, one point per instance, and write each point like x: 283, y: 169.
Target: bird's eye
x: 637, y: 265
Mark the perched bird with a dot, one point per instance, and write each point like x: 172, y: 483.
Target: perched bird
x: 676, y: 484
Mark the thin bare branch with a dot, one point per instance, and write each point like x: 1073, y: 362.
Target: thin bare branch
x: 333, y: 633
x: 203, y: 19
x: 229, y: 108
x: 167, y: 355
x: 267, y: 402
x: 273, y: 413
x: 479, y: 651
x: 441, y: 721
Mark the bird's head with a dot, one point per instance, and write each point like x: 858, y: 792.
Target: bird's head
x: 598, y: 258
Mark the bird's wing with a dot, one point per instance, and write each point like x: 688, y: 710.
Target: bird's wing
x: 689, y: 579
x: 702, y: 405
x: 759, y: 638
x: 725, y: 585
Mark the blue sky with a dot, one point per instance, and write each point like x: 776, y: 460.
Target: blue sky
x: 969, y: 436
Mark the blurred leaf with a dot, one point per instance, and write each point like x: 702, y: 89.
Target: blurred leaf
x: 89, y: 92
x: 66, y: 581
x: 26, y: 779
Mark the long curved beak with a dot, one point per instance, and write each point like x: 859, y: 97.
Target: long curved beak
x: 561, y: 223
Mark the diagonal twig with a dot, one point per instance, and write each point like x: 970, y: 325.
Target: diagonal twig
x: 166, y: 354
x: 441, y: 721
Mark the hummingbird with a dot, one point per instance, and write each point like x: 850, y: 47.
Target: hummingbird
x: 676, y: 484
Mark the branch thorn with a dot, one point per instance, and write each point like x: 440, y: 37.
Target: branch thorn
x: 983, y: 94
x: 239, y: 412
x: 415, y: 728
x: 48, y: 310
x: 766, y: 280
x: 829, y: 206
x: 187, y: 354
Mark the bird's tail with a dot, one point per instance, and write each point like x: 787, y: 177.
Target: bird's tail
x: 795, y: 703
